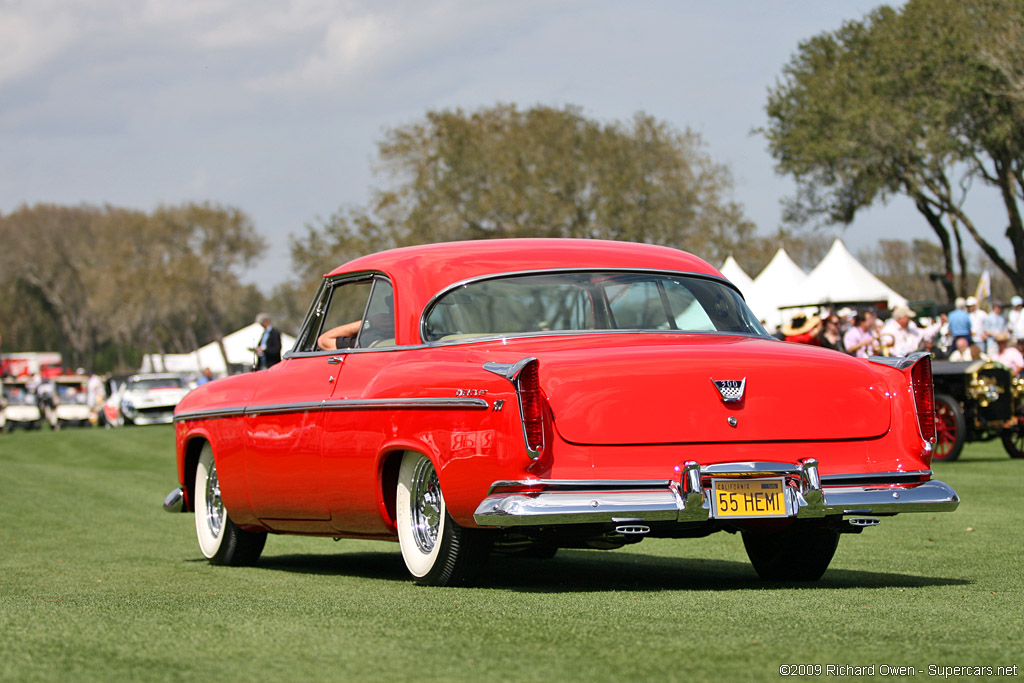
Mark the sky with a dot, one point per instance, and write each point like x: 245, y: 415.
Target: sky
x: 276, y: 106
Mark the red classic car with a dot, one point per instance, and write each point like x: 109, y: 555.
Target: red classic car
x: 520, y: 396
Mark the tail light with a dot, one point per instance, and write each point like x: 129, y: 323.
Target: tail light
x: 525, y: 377
x: 924, y: 396
x: 531, y: 407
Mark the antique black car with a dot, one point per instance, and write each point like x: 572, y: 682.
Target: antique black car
x: 976, y: 401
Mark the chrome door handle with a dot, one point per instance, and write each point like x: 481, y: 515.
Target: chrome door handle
x: 334, y: 360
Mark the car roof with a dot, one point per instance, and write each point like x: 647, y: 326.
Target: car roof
x: 420, y: 272
x: 444, y: 263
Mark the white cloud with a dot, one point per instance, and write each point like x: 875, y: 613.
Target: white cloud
x: 229, y: 24
x: 29, y: 39
x: 361, y: 42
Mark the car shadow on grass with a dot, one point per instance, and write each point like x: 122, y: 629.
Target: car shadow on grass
x: 589, y: 571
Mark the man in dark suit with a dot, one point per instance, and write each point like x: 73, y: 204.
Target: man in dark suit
x: 269, y: 350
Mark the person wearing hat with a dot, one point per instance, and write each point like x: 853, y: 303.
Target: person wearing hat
x: 904, y: 333
x: 803, y: 329
x: 1008, y: 354
x: 977, y: 318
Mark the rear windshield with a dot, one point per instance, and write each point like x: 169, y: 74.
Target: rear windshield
x: 580, y: 301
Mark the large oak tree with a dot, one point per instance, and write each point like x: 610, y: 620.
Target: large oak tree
x: 543, y: 172
x: 927, y: 102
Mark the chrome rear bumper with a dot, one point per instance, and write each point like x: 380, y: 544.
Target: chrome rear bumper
x: 549, y: 502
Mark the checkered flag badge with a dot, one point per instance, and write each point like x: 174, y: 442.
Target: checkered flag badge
x: 730, y: 389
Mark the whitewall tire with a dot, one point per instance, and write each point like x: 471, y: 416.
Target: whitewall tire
x: 220, y: 539
x: 436, y: 550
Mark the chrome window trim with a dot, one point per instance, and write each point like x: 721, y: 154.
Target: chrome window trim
x: 569, y: 333
x: 331, y: 282
x: 590, y: 269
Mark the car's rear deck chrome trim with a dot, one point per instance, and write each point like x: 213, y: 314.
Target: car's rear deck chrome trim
x: 551, y: 502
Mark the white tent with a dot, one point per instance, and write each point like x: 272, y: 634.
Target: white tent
x: 736, y: 275
x: 841, y: 279
x: 238, y: 345
x: 779, y: 283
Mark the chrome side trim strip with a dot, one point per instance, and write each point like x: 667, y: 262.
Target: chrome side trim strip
x: 209, y: 414
x: 567, y: 485
x: 405, y: 403
x: 277, y: 409
x: 864, y: 477
x: 343, y: 404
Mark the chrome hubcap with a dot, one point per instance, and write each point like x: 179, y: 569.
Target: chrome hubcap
x: 214, y: 506
x: 426, y: 505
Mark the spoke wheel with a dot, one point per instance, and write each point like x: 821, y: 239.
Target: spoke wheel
x: 799, y: 553
x: 1013, y: 438
x: 220, y: 539
x: 950, y: 429
x: 436, y: 550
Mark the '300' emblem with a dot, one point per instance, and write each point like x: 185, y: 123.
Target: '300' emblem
x: 730, y: 389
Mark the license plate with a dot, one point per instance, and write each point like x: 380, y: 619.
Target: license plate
x: 750, y: 497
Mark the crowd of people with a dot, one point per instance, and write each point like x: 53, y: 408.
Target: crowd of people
x: 966, y: 333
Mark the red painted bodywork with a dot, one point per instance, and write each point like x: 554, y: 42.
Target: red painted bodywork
x: 619, y: 406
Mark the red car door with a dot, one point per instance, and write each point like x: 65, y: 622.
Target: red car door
x: 284, y: 425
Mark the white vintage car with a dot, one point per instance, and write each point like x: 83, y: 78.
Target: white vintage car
x: 20, y: 406
x: 70, y: 404
x: 147, y: 399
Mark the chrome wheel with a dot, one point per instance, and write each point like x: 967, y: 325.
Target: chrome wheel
x: 436, y: 550
x: 214, y: 512
x: 426, y: 505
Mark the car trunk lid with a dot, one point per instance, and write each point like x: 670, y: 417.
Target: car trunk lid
x: 647, y: 393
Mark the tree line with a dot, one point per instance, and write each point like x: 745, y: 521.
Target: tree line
x: 924, y: 101
x: 103, y: 285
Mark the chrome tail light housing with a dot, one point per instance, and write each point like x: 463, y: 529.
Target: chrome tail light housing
x: 525, y: 377
x: 924, y: 396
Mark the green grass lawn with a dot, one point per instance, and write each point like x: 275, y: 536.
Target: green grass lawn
x: 98, y: 583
